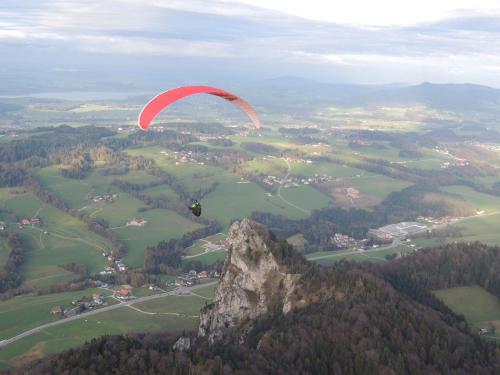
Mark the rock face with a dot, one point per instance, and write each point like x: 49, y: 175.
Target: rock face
x: 182, y: 344
x: 252, y: 282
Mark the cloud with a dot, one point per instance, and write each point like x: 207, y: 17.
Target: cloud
x: 437, y: 39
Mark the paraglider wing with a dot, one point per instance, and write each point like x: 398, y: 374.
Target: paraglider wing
x: 158, y: 103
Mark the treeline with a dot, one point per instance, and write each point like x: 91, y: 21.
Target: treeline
x: 166, y: 257
x: 12, y: 175
x: 260, y: 148
x: 51, y: 139
x: 167, y: 138
x: 221, y: 142
x: 10, y: 277
x: 458, y: 264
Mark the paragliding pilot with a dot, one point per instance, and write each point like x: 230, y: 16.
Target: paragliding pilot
x: 195, y: 208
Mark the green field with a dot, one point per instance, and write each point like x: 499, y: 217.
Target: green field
x: 231, y: 200
x: 25, y: 312
x: 75, y: 192
x: 327, y: 258
x: 162, y: 191
x: 123, y: 209
x: 331, y: 169
x: 489, y: 203
x: 67, y: 240
x: 479, y: 307
x: 172, y: 313
x: 268, y: 166
x: 162, y: 225
x: 208, y: 258
x: 306, y: 197
x: 482, y: 228
x: 197, y: 248
x: 193, y: 176
x: 378, y: 185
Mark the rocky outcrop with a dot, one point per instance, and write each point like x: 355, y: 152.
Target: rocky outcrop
x: 253, y: 282
x: 182, y: 344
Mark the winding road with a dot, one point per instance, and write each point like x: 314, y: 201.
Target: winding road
x: 178, y: 291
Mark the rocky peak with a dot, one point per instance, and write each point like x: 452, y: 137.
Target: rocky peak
x: 253, y: 282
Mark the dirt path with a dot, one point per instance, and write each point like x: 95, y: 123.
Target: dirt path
x: 281, y: 185
x: 55, y: 234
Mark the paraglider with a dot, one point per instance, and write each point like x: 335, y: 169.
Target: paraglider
x: 195, y: 208
x: 165, y: 99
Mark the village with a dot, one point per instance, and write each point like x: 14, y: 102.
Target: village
x: 182, y: 157
x: 125, y: 293
x: 192, y: 277
x: 114, y: 265
x: 292, y: 181
x: 78, y: 306
x: 105, y: 198
x: 28, y: 221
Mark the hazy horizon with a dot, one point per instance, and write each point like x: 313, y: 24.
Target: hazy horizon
x: 124, y: 44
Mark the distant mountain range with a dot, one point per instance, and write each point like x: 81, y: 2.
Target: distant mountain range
x: 445, y: 96
x: 457, y: 97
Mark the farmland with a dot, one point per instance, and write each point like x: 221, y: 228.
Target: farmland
x: 66, y: 239
x: 360, y: 171
x: 480, y: 308
x: 171, y: 313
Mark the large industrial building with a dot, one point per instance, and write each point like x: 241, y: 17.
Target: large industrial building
x: 401, y: 230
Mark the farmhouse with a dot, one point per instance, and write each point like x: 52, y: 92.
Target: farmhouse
x: 35, y: 220
x: 24, y: 222
x: 2, y: 225
x: 137, y: 222
x: 57, y: 309
x: 202, y: 275
x: 180, y: 281
x: 109, y: 198
x: 124, y: 294
x: 97, y: 299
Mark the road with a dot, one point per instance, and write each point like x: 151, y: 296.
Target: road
x: 395, y: 243
x: 281, y: 185
x: 177, y: 291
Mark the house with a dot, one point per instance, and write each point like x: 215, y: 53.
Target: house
x: 214, y: 274
x: 180, y: 281
x: 124, y: 294
x: 121, y: 267
x: 483, y: 331
x: 96, y: 297
x: 35, y: 220
x: 137, y: 222
x: 57, y: 309
x: 2, y: 225
x: 202, y: 275
x: 25, y: 222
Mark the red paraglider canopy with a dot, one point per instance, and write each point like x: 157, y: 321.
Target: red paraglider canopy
x: 158, y: 103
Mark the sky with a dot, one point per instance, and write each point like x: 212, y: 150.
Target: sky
x: 139, y: 42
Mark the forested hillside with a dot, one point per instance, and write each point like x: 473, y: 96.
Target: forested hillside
x: 362, y: 324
